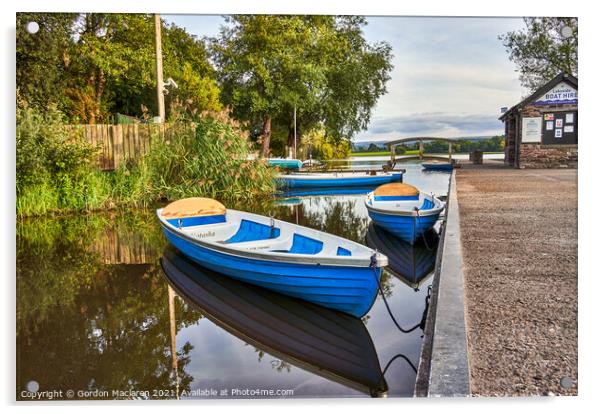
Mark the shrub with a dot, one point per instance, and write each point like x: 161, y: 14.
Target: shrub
x: 55, y: 166
x: 57, y: 169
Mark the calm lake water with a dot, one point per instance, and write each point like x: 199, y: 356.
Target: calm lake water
x: 96, y: 314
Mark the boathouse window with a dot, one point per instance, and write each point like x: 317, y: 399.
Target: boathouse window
x: 559, y: 128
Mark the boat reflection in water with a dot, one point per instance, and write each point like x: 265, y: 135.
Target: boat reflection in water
x: 325, y: 342
x: 326, y: 191
x: 409, y: 263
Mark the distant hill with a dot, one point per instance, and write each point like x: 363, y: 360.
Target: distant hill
x: 383, y: 143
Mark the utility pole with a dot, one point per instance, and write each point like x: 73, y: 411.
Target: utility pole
x: 295, y: 132
x: 159, y: 58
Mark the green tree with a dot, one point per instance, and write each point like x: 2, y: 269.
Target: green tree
x: 186, y: 60
x: 92, y: 65
x: 323, y: 146
x: 43, y: 58
x: 373, y: 148
x: 540, y: 51
x: 357, y: 74
x: 320, y: 65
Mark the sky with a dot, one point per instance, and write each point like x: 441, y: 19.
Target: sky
x: 451, y: 76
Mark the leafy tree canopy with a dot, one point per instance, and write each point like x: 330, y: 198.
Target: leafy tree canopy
x: 94, y: 65
x: 42, y: 58
x: 321, y: 65
x: 540, y: 51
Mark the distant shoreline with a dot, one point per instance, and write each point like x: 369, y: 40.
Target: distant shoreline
x: 411, y: 152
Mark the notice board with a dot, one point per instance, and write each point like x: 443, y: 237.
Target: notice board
x: 531, y: 129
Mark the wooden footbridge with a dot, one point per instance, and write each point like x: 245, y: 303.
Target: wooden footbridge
x: 393, y: 144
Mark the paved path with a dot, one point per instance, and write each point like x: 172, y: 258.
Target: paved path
x: 519, y: 240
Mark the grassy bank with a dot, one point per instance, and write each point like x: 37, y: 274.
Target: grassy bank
x: 57, y: 171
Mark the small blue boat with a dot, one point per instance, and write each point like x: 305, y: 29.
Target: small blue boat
x: 286, y: 163
x: 438, y: 166
x: 290, y: 259
x: 337, y: 179
x: 404, y: 211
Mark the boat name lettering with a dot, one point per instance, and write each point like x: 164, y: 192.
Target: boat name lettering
x: 206, y: 234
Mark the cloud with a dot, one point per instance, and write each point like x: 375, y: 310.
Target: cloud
x: 451, y: 75
x: 439, y: 124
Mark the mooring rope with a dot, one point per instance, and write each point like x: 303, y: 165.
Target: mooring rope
x: 394, y: 358
x: 427, y: 298
x: 384, y: 371
x: 420, y: 325
x: 429, y: 248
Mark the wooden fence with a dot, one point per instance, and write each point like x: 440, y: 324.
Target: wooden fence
x: 123, y: 143
x: 116, y: 246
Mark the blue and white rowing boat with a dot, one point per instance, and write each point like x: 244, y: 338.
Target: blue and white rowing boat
x: 404, y: 211
x: 437, y: 166
x: 290, y: 259
x: 337, y: 179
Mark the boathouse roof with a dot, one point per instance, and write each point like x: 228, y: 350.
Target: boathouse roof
x: 561, y: 77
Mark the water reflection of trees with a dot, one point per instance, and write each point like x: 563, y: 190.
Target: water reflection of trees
x: 87, y: 322
x: 277, y: 364
x: 335, y: 216
x: 86, y: 325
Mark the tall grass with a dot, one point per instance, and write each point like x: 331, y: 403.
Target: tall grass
x: 57, y: 172
x: 212, y: 163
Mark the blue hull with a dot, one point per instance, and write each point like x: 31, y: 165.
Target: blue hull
x: 407, y: 228
x: 285, y: 163
x: 438, y: 167
x: 362, y: 181
x: 327, y: 191
x: 348, y: 289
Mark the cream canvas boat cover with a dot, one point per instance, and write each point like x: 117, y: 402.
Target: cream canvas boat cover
x: 193, y: 207
x: 396, y: 189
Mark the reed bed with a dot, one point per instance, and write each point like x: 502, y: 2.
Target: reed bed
x: 57, y: 172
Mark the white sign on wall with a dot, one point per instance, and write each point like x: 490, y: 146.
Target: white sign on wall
x: 563, y: 93
x: 531, y: 129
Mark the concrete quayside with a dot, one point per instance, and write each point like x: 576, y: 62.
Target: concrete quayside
x: 503, y: 317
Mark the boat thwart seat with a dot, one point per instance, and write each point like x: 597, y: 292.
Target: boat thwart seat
x: 251, y: 231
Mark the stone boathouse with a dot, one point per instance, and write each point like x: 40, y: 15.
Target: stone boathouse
x: 541, y: 130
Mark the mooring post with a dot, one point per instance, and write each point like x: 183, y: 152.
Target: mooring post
x: 421, y: 149
x: 449, y: 151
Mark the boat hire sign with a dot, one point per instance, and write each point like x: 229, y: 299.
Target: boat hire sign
x: 562, y: 93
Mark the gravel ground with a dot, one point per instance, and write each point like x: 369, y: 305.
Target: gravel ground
x: 519, y: 240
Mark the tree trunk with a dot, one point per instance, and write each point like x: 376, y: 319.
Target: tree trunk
x: 100, y: 86
x: 266, y: 135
